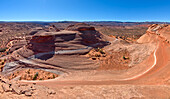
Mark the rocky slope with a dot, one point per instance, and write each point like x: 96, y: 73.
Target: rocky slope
x: 155, y: 31
x: 13, y: 89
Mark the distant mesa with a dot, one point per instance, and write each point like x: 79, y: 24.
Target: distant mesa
x: 80, y: 27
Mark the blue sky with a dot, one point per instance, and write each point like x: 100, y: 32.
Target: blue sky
x: 85, y: 10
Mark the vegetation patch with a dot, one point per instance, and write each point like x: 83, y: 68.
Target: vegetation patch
x: 3, y: 49
x: 2, y: 63
x: 116, y: 61
x: 96, y: 53
x: 33, y: 74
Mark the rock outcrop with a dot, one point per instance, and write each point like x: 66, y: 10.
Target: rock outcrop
x: 71, y: 39
x: 17, y: 89
x: 87, y: 32
x: 40, y: 43
x: 155, y: 31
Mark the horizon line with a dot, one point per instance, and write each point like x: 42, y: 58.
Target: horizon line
x: 76, y: 21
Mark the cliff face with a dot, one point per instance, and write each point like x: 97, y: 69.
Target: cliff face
x: 154, y: 32
x: 90, y: 36
x: 42, y: 43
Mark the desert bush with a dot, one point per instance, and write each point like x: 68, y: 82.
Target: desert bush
x: 35, y: 76
x: 40, y: 79
x: 97, y: 55
x: 53, y: 76
x: 3, y: 49
x: 125, y: 57
x: 100, y: 50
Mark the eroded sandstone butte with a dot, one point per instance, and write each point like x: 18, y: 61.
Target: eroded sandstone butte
x: 71, y: 39
x: 44, y: 49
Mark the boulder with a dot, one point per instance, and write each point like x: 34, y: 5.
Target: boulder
x: 16, y: 89
x: 1, y: 89
x: 28, y: 93
x: 19, y: 89
x: 6, y: 88
x: 50, y: 91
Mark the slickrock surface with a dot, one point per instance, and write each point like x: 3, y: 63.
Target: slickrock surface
x: 10, y: 89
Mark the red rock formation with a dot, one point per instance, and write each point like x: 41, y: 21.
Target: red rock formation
x: 87, y: 33
x: 155, y: 31
x: 42, y: 43
x: 83, y: 35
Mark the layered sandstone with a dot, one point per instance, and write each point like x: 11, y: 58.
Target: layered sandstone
x: 70, y: 39
x: 155, y: 31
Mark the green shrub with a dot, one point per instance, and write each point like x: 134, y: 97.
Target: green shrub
x: 35, y: 76
x: 97, y: 55
x: 101, y: 51
x: 53, y: 76
x: 125, y: 57
x: 3, y: 49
